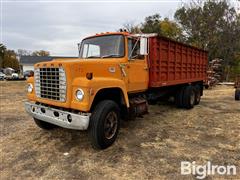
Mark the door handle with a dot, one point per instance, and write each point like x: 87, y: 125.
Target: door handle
x: 145, y: 68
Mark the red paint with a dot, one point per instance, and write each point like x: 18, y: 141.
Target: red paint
x: 173, y: 63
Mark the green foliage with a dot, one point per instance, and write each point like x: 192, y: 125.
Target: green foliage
x: 154, y: 24
x: 236, y: 67
x: 10, y: 60
x: 215, y: 26
x: 171, y: 29
x: 151, y: 24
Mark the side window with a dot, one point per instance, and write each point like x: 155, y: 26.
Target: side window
x: 134, y: 49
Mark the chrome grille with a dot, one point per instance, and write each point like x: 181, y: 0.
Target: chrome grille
x: 50, y: 83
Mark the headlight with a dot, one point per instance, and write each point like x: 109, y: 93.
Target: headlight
x: 79, y: 94
x: 30, y: 88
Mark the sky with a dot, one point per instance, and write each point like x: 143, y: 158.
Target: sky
x: 57, y: 26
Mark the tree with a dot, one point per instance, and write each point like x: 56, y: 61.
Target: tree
x: 154, y: 24
x: 130, y: 27
x: 41, y: 53
x: 214, y: 26
x: 151, y: 24
x: 2, y: 52
x: 171, y: 29
x: 10, y: 60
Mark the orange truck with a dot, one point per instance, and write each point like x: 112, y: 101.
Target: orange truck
x: 115, y: 77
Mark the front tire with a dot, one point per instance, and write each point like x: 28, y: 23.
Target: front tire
x: 44, y: 125
x: 104, y: 124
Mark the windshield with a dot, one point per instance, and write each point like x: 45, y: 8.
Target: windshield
x: 102, y: 47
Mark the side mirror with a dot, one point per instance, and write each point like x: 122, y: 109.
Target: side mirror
x: 79, y: 49
x: 143, y: 46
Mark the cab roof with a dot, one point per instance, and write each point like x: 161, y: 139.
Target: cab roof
x: 109, y: 33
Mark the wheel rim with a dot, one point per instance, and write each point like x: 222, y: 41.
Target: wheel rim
x: 198, y: 96
x: 110, y: 125
x: 192, y: 98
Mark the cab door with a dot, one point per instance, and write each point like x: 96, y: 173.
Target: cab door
x: 137, y: 67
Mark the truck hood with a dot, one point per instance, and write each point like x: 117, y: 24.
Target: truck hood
x: 76, y: 70
x: 106, y: 67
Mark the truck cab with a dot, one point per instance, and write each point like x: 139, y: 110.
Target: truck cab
x: 109, y: 81
x: 73, y: 93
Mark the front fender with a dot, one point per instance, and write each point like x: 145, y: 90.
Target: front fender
x: 91, y: 88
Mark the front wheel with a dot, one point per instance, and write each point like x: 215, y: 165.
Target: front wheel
x: 104, y: 124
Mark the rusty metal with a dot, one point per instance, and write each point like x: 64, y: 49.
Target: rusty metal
x: 110, y: 125
x: 138, y: 106
x: 174, y: 63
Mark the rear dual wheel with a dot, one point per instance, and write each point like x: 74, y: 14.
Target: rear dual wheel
x: 179, y: 97
x: 197, y: 91
x: 188, y: 96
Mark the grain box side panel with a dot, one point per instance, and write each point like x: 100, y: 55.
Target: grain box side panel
x: 173, y: 63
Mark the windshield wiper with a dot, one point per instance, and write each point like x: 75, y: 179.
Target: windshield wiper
x: 106, y: 56
x: 93, y: 57
x: 111, y: 55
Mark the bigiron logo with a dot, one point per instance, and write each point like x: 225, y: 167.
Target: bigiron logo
x: 202, y: 171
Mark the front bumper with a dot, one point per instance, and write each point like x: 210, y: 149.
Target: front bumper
x: 58, y: 117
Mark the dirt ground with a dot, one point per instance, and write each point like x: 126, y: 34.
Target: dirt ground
x: 151, y: 147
